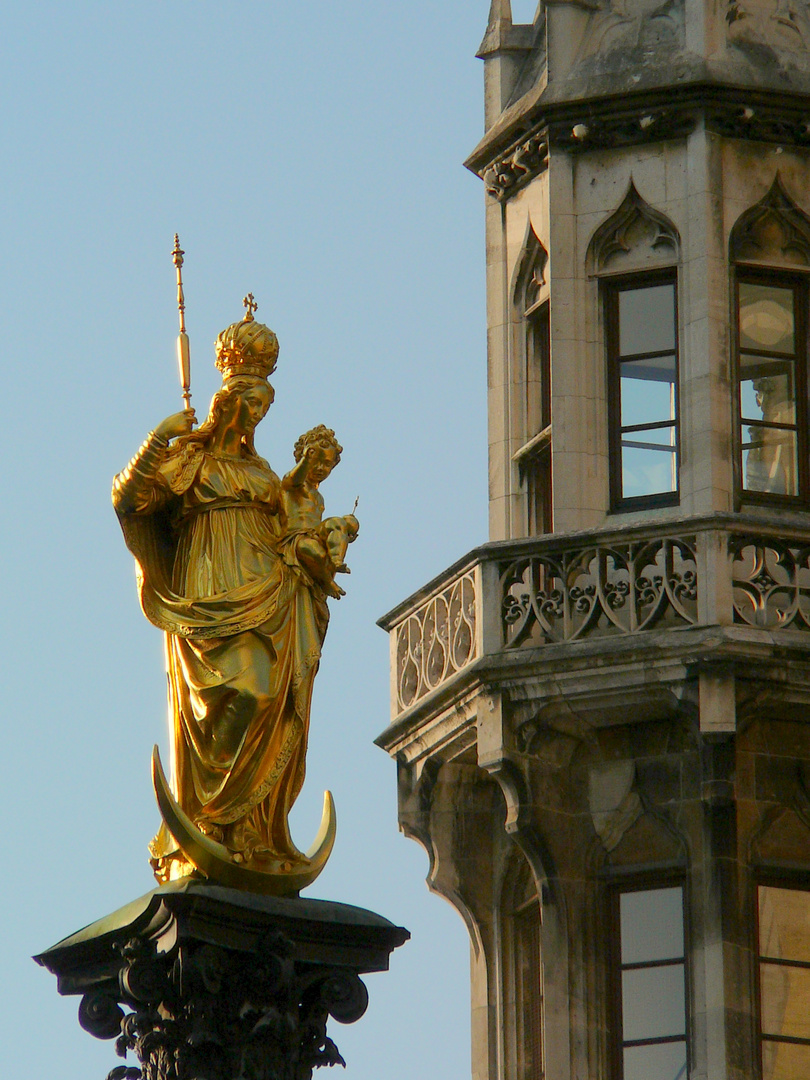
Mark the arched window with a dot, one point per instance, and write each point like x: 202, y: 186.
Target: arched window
x: 523, y: 975
x: 533, y: 382
x: 770, y: 250
x: 634, y: 253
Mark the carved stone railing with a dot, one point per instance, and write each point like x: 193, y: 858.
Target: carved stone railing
x: 721, y: 570
x: 437, y: 640
x: 599, y: 589
x: 771, y: 580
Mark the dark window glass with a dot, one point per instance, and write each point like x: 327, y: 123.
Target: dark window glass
x: 652, y: 988
x: 643, y: 391
x: 771, y: 379
x: 536, y: 472
x: 784, y: 981
x: 523, y: 976
x: 528, y: 992
x: 538, y: 370
x: 535, y: 466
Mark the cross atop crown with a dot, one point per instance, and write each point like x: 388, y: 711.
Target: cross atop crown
x: 251, y: 306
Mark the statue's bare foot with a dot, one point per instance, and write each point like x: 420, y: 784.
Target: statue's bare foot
x: 342, y: 569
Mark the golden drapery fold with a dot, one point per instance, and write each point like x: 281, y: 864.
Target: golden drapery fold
x: 244, y: 626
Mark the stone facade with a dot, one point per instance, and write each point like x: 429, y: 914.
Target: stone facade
x: 606, y: 706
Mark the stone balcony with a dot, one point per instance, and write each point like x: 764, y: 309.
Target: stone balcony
x: 664, y: 602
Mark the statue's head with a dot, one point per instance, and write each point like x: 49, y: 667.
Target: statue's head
x: 247, y: 347
x: 247, y: 352
x: 326, y: 451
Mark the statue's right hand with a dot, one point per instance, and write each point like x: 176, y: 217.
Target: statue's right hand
x: 179, y: 423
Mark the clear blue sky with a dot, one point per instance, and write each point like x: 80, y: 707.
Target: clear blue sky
x: 311, y: 153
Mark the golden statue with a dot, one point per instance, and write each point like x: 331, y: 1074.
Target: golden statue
x: 235, y: 567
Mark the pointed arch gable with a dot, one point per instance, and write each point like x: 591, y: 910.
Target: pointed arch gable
x: 529, y: 280
x: 634, y: 236
x: 774, y: 231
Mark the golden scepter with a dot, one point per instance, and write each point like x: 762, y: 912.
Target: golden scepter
x: 183, y: 355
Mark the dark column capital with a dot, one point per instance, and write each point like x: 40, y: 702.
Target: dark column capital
x: 200, y: 982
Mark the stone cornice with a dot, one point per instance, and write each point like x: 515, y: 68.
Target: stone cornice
x: 739, y: 112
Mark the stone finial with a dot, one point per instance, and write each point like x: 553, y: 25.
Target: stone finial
x: 500, y: 11
x: 498, y: 26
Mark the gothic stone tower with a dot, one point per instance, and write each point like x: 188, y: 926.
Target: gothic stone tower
x: 601, y: 718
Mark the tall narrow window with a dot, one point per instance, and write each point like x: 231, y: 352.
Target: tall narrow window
x: 531, y: 385
x: 523, y: 977
x: 650, y: 985
x: 642, y: 343
x: 771, y: 372
x: 784, y: 981
x: 535, y: 456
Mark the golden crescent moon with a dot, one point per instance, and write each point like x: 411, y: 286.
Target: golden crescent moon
x: 215, y: 861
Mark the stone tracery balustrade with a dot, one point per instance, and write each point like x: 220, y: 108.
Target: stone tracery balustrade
x: 436, y: 641
x: 576, y: 592
x: 550, y: 590
x: 771, y: 579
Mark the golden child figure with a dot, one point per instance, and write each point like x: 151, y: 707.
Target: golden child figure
x: 320, y: 546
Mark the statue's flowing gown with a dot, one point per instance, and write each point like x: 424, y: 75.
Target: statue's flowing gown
x: 244, y: 627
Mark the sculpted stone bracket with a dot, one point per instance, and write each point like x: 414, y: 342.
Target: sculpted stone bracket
x: 206, y: 983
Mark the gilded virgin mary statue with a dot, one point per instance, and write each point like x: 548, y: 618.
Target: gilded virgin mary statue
x: 234, y: 566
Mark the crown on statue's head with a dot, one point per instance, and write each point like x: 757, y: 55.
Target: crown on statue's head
x: 247, y: 347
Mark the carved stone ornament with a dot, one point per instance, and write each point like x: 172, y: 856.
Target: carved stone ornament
x: 635, y: 234
x: 522, y: 163
x: 199, y: 982
x: 617, y: 28
x: 436, y: 641
x: 774, y: 231
x: 596, y: 590
x: 530, y: 271
x: 614, y: 803
x: 782, y: 25
x: 771, y: 582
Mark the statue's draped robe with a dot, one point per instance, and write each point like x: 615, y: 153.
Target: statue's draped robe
x: 244, y: 627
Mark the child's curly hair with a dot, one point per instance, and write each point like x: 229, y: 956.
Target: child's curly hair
x: 321, y: 436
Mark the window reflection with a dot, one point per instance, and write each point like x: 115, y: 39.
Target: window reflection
x: 766, y: 317
x: 767, y: 373
x: 644, y: 374
x: 653, y: 984
x: 784, y: 982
